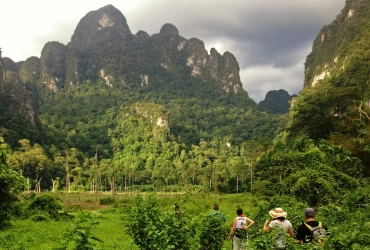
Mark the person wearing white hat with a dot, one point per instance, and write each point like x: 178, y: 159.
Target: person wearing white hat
x: 280, y: 223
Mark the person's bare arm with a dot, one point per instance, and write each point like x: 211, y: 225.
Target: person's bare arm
x: 266, y: 227
x: 291, y: 233
x: 250, y: 223
x: 232, y: 229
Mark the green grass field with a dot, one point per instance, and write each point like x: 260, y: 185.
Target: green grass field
x: 27, y: 234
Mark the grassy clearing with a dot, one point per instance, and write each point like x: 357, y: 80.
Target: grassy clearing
x: 27, y: 234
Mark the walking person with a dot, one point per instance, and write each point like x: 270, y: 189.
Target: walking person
x: 311, y: 231
x: 238, y: 231
x: 280, y: 225
x: 178, y: 212
x: 216, y: 211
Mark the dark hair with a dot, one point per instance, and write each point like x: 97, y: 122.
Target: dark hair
x: 239, y: 211
x: 215, y: 207
x: 281, y: 218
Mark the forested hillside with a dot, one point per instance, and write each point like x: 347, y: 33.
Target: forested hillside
x: 334, y: 104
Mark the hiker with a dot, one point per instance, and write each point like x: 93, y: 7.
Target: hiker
x: 238, y: 231
x: 311, y: 230
x: 279, y: 222
x: 216, y: 211
x: 177, y: 209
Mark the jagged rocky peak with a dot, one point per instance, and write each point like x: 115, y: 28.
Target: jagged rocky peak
x: 30, y: 70
x: 197, y: 56
x: 229, y: 78
x: 214, y: 58
x: 53, y: 66
x: 169, y: 29
x: 102, y: 22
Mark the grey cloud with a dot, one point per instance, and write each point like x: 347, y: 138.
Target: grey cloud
x: 262, y: 31
x: 278, y: 34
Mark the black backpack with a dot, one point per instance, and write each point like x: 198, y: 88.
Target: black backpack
x: 241, y: 233
x: 318, y: 234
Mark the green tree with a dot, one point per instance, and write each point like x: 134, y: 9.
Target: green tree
x: 11, y: 184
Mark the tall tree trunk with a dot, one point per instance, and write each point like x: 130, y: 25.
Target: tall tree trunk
x: 113, y: 186
x: 237, y: 183
x: 96, y: 174
x: 67, y: 177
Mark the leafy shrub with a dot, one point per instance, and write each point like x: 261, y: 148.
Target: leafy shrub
x: 11, y: 183
x: 39, y: 217
x: 45, y: 203
x: 213, y: 232
x: 107, y: 200
x: 158, y: 230
x: 81, y: 234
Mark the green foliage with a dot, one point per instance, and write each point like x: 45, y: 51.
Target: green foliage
x: 213, y: 232
x: 82, y: 233
x: 11, y: 184
x: 152, y: 228
x: 46, y: 204
x: 322, y: 110
x: 40, y: 217
x: 348, y: 225
x: 16, y: 123
x: 313, y: 172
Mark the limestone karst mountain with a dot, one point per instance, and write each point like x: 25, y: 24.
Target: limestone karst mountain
x: 103, y: 48
x: 80, y: 86
x: 277, y: 101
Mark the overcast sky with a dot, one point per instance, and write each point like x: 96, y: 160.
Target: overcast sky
x: 269, y: 38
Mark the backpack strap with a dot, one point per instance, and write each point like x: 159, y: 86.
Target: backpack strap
x: 308, y: 226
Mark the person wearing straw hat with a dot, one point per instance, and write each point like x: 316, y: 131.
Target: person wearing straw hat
x: 238, y: 231
x: 280, y: 224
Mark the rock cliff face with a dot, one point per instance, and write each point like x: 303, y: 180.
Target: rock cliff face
x: 18, y: 119
x: 53, y: 65
x: 107, y: 22
x: 103, y: 49
x: 341, y: 49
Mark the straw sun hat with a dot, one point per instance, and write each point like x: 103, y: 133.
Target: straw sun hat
x: 278, y: 212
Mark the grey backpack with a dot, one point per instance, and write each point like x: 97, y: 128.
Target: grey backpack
x: 318, y: 234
